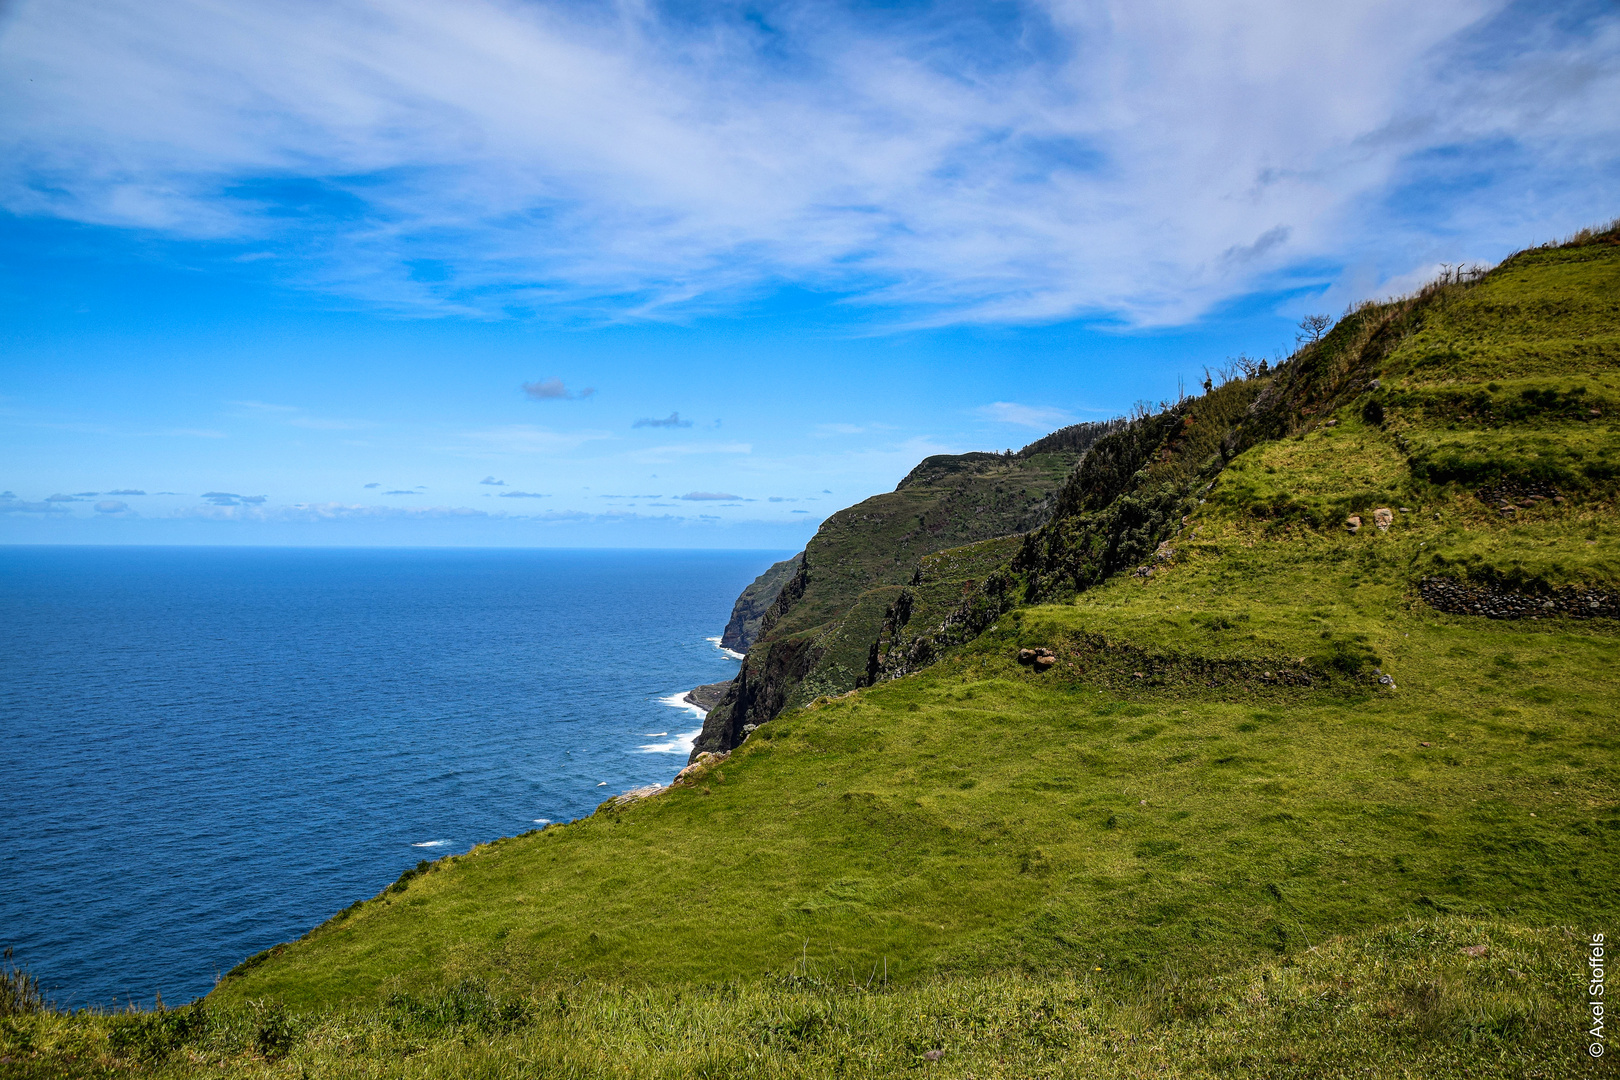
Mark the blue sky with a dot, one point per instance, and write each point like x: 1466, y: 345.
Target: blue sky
x: 503, y: 272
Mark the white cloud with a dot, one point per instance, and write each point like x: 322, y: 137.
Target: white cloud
x: 823, y: 431
x: 341, y: 512
x: 10, y: 504
x: 328, y: 511
x: 1033, y: 416
x: 1143, y: 161
x: 654, y: 455
x: 293, y: 416
x: 528, y: 439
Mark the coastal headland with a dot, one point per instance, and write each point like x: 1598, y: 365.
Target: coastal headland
x: 1271, y: 731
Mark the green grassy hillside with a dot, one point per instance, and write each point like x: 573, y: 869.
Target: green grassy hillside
x: 1246, y: 823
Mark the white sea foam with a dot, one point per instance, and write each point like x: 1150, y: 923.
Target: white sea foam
x: 677, y: 700
x: 542, y: 821
x: 431, y: 843
x: 680, y: 744
x: 653, y: 734
x: 602, y: 784
x: 733, y: 653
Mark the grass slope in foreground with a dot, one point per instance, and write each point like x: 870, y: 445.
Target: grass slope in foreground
x: 1405, y: 1001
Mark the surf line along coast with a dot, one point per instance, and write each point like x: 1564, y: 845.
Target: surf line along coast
x: 700, y: 699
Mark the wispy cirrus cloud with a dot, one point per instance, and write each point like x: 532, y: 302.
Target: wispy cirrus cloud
x: 1138, y: 162
x: 1031, y: 416
x: 527, y: 439
x: 188, y: 433
x: 659, y: 455
x: 822, y: 431
x: 293, y: 416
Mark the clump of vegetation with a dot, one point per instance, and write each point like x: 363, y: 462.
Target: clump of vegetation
x: 20, y: 994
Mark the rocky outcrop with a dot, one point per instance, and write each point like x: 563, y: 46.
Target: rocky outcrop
x: 759, y: 692
x: 742, y: 629
x: 707, y: 696
x: 1495, y: 602
x: 699, y: 768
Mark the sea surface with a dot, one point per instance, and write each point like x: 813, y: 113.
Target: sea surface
x: 209, y: 751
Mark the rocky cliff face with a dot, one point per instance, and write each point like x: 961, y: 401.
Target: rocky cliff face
x: 816, y: 637
x: 742, y: 629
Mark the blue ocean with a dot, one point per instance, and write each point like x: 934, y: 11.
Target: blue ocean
x: 208, y: 751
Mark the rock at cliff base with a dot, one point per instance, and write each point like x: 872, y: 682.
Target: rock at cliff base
x: 707, y: 696
x: 699, y: 766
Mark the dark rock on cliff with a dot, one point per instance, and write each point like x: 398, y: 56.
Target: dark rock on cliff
x: 749, y: 610
x: 708, y: 695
